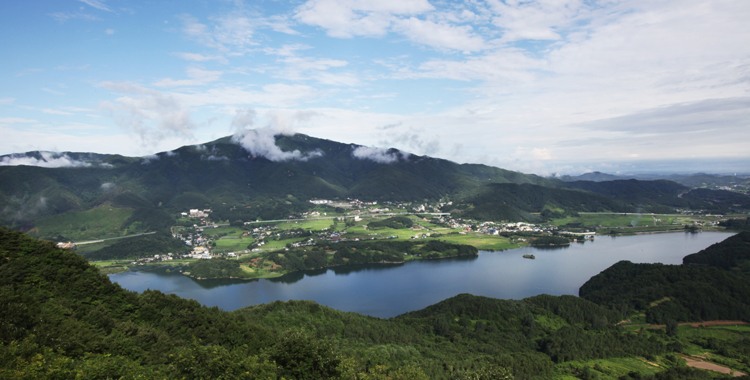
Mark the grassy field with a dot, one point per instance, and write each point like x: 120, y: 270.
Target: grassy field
x: 98, y: 223
x: 481, y: 241
x: 314, y: 225
x: 231, y: 245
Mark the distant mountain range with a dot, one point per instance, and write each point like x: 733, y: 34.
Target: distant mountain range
x: 689, y: 180
x: 249, y: 179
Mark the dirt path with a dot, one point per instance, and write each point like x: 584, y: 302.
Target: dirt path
x: 694, y: 324
x: 697, y: 362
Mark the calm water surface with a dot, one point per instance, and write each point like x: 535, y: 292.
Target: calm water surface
x: 392, y: 289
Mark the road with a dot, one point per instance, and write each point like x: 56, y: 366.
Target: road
x: 343, y: 216
x: 114, y: 238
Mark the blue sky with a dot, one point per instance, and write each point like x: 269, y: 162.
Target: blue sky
x: 540, y: 86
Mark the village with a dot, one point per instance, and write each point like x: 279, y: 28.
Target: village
x: 333, y: 221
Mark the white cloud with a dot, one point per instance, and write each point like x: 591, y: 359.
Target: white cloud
x: 345, y: 19
x: 151, y: 114
x: 65, y: 16
x: 382, y: 156
x: 503, y: 65
x: 262, y: 142
x: 296, y: 67
x: 272, y: 95
x: 197, y: 76
x: 7, y: 100
x: 440, y: 35
x: 14, y: 120
x: 55, y: 112
x: 243, y: 119
x: 98, y: 4
x: 231, y: 31
x: 149, y: 159
x: 46, y: 160
x: 536, y: 19
x: 201, y: 58
x: 110, y: 31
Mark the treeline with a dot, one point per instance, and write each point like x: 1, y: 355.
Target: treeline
x: 395, y: 222
x: 736, y: 224
x: 550, y: 240
x: 686, y: 293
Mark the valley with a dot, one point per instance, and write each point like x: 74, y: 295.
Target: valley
x: 211, y: 245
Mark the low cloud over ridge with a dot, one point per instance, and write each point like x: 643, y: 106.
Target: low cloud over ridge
x: 46, y: 160
x: 378, y: 155
x: 262, y: 142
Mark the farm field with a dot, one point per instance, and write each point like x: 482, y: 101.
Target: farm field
x: 316, y: 225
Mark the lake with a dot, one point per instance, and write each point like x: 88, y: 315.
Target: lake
x: 387, y: 290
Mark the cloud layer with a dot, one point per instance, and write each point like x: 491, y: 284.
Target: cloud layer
x: 46, y: 160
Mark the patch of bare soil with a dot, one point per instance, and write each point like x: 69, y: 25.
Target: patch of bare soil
x: 697, y: 362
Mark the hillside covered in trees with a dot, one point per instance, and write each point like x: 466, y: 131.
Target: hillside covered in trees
x: 61, y: 318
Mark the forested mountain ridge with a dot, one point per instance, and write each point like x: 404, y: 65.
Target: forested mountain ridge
x: 136, y: 194
x: 223, y: 172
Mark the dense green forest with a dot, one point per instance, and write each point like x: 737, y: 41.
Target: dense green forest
x: 61, y: 318
x: 685, y: 293
x: 732, y: 254
x: 396, y: 222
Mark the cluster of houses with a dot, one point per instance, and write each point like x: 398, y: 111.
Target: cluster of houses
x: 195, y: 213
x: 154, y: 258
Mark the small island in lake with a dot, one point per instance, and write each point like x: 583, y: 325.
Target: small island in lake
x: 529, y: 257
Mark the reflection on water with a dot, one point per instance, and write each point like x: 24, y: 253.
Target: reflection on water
x: 386, y: 290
